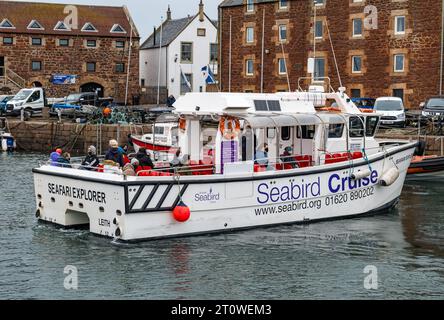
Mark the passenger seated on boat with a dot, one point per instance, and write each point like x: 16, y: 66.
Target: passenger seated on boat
x: 261, y: 156
x: 91, y: 161
x: 288, y: 159
x: 54, y: 157
x: 144, y: 159
x: 124, y: 151
x: 65, y: 160
x: 113, y: 153
x: 128, y: 170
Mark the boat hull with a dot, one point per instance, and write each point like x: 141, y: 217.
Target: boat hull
x: 426, y: 168
x: 141, y: 208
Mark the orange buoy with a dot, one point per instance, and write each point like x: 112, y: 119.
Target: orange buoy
x: 181, y: 212
x: 107, y: 111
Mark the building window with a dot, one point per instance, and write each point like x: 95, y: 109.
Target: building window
x: 91, y: 43
x: 214, y: 52
x: 355, y: 93
x: 357, y: 27
x: 250, y: 34
x: 319, y: 69
x: 8, y: 41
x: 91, y: 67
x: 36, y: 65
x: 120, y: 67
x: 283, y: 4
x: 36, y: 41
x: 356, y: 64
x: 61, y: 26
x: 186, y: 53
x: 201, y: 32
x: 117, y: 28
x: 64, y: 42
x: 250, y: 5
x: 89, y: 27
x: 399, y: 63
x: 282, y: 66
x: 249, y: 67
x: 186, y: 83
x: 319, y: 2
x: 6, y: 24
x: 319, y: 29
x: 282, y: 33
x: 35, y: 25
x: 400, y: 25
x: 120, y: 44
x: 142, y: 82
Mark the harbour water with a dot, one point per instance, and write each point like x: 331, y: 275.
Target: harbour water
x: 318, y: 261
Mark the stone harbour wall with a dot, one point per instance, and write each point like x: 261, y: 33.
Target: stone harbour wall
x: 33, y: 136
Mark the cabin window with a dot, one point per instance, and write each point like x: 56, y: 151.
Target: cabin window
x: 271, y: 133
x: 306, y: 132
x: 285, y: 133
x: 267, y: 105
x: 335, y: 131
x: 159, y: 130
x: 356, y: 127
x: 371, y: 125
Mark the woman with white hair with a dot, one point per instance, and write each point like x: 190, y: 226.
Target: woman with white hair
x: 113, y: 153
x: 91, y: 161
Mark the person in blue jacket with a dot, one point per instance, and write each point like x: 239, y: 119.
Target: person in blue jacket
x: 113, y: 153
x: 54, y: 157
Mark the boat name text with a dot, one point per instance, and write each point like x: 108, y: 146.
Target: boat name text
x: 77, y: 193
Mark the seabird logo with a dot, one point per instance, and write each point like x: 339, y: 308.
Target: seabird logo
x: 207, y: 196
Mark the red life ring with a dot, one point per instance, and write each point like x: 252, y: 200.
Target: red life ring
x: 229, y: 128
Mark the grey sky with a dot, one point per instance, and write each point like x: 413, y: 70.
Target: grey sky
x: 147, y: 14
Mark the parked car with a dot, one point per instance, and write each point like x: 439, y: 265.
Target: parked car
x: 31, y: 100
x: 79, y: 104
x: 364, y: 103
x: 3, y: 101
x: 392, y: 111
x: 434, y: 106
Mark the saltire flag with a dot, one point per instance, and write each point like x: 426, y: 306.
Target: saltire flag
x: 208, y: 75
x: 185, y: 79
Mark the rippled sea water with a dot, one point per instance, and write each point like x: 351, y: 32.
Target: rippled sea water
x: 318, y: 261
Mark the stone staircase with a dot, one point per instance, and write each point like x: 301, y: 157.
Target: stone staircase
x: 11, y: 82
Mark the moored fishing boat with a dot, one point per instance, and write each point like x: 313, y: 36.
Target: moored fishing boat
x: 254, y: 160
x: 426, y: 168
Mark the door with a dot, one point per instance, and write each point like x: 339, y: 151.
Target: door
x: 399, y: 93
x: 2, y: 66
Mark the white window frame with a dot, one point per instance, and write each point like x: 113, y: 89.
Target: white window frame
x: 247, y: 64
x: 284, y: 61
x: 319, y: 3
x: 247, y: 34
x: 58, y: 24
x: 283, y: 7
x: 87, y: 24
x: 395, y: 64
x: 322, y: 25
x: 250, y: 5
x: 397, y: 23
x: 353, y: 64
x: 35, y: 21
x: 115, y: 26
x: 357, y: 35
x: 6, y: 20
x: 282, y: 26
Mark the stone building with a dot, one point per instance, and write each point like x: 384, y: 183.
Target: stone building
x: 382, y: 47
x: 67, y: 48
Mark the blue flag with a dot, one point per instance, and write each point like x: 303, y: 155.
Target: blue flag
x: 208, y: 75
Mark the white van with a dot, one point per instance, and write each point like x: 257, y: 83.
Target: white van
x: 392, y: 111
x: 31, y: 100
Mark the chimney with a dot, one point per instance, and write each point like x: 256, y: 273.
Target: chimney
x: 154, y: 38
x: 201, y: 11
x: 169, y: 13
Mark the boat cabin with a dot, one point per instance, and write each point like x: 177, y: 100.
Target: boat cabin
x: 233, y: 133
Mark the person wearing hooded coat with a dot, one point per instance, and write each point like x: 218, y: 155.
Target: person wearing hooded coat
x: 54, y: 157
x: 113, y: 153
x: 91, y: 161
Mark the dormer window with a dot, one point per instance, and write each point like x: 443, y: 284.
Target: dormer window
x: 89, y: 27
x: 35, y: 25
x: 6, y: 24
x: 117, y: 28
x: 61, y: 26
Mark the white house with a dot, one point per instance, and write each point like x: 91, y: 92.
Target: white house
x: 187, y: 45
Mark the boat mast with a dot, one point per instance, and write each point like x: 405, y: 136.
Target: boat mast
x: 160, y: 61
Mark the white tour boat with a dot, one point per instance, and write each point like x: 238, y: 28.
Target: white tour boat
x: 254, y: 160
